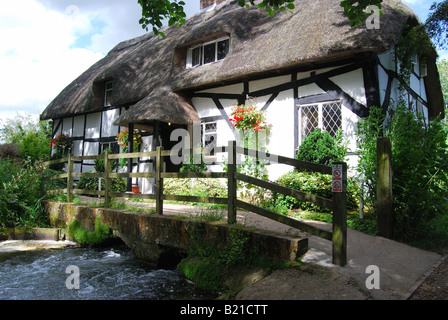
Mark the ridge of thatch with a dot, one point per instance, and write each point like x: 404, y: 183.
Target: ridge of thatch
x: 148, y: 71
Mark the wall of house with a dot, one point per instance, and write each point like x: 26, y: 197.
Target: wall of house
x: 282, y: 112
x: 414, y: 96
x: 92, y: 132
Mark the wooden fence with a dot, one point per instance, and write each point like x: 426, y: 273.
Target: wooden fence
x: 337, y: 204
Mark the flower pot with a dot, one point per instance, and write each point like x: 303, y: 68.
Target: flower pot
x: 136, y: 189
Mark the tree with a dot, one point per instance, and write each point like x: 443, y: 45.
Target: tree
x: 442, y: 65
x: 437, y: 23
x: 30, y: 135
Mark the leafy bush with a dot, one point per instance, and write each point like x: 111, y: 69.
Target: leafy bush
x: 21, y: 194
x: 30, y: 135
x: 314, y: 183
x: 419, y: 165
x: 320, y: 147
x: 89, y: 183
x: 195, y: 187
x: 99, y: 163
x: 189, y: 164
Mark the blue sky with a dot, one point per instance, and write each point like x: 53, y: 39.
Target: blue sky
x: 46, y: 44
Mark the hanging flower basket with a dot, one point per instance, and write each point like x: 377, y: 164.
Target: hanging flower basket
x: 62, y: 143
x: 122, y: 139
x: 247, y: 118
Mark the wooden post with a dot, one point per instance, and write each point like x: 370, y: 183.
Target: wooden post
x: 159, y: 181
x: 384, y: 187
x: 231, y: 182
x: 107, y: 184
x: 339, y: 236
x: 69, y: 178
x: 130, y: 150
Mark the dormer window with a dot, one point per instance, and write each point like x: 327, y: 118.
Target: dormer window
x: 207, y: 52
x: 107, y: 93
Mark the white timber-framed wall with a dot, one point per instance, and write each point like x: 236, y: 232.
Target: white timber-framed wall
x: 92, y: 132
x: 352, y: 84
x: 355, y: 85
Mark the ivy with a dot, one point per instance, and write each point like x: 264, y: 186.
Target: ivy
x: 414, y: 43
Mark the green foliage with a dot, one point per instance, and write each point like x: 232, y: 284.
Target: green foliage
x: 21, y: 194
x: 369, y: 130
x: 355, y: 10
x: 101, y: 234
x: 437, y: 23
x: 54, y: 184
x: 206, y: 273
x: 89, y: 183
x: 31, y: 136
x: 320, y: 147
x: 154, y: 11
x: 413, y: 43
x: 191, y: 164
x: 419, y: 165
x: 442, y: 66
x: 314, y: 183
x: 99, y: 163
x: 195, y: 187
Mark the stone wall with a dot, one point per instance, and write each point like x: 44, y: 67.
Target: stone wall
x: 151, y: 237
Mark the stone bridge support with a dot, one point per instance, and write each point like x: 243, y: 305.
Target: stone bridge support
x: 157, y: 239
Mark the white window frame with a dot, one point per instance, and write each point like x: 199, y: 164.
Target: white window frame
x: 320, y: 116
x: 108, y: 87
x: 201, y: 46
x: 208, y: 156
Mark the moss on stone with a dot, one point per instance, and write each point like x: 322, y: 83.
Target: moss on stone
x: 100, y: 235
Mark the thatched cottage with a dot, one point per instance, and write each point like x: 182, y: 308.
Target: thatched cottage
x: 306, y: 68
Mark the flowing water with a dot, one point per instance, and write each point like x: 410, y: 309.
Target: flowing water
x: 107, y: 274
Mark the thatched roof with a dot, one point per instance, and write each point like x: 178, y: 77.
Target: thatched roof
x: 149, y: 73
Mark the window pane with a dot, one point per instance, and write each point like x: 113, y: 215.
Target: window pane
x: 310, y: 119
x: 196, y: 56
x: 209, y: 53
x: 331, y: 117
x: 223, y: 49
x: 210, y: 127
x: 210, y: 143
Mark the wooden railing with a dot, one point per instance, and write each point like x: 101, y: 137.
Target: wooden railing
x: 337, y: 204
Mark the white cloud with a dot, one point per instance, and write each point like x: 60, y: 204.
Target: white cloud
x: 37, y: 57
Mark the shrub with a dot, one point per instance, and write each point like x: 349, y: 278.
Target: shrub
x: 30, y: 135
x: 195, y: 187
x: 89, y: 183
x: 314, y: 183
x: 99, y: 163
x: 189, y: 164
x: 21, y: 194
x: 419, y: 165
x: 320, y: 147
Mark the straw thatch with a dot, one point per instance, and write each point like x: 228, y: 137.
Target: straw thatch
x: 149, y: 73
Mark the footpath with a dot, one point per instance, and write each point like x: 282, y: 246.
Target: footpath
x: 400, y: 268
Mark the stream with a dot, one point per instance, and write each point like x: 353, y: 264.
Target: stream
x: 111, y: 273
